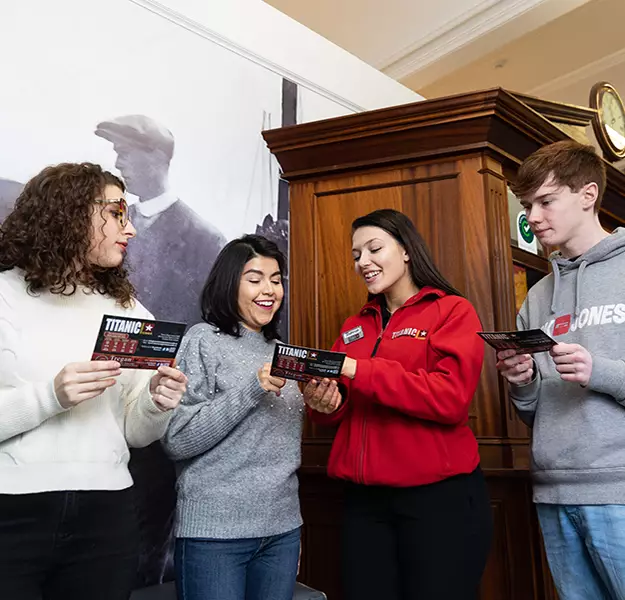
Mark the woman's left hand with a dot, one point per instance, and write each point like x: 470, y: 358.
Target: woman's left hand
x: 167, y: 387
x: 349, y: 368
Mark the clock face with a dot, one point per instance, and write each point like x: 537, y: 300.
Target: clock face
x: 609, y: 120
x: 613, y: 118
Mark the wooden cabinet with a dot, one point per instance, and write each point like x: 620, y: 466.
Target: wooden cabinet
x: 445, y: 163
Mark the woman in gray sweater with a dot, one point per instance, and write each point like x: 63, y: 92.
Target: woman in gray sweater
x: 236, y: 438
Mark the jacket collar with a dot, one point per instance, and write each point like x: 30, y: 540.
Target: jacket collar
x: 374, y: 304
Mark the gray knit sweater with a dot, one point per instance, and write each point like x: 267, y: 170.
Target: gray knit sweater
x: 236, y: 447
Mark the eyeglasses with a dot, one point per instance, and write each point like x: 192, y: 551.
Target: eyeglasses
x: 123, y: 209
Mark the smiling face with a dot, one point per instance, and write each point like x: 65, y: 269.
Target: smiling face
x: 380, y: 260
x: 109, y: 240
x: 260, y: 292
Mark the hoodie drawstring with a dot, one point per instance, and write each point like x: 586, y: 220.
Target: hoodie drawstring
x: 578, y: 285
x: 556, y: 286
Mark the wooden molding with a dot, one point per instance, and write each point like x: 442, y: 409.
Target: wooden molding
x: 558, y: 112
x: 495, y: 121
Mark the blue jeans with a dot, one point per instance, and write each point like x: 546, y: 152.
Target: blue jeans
x: 585, y: 548
x: 244, y: 569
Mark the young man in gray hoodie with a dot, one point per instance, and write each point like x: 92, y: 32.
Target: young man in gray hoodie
x: 573, y: 397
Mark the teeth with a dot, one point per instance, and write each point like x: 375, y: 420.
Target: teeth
x: 268, y: 303
x: 372, y: 274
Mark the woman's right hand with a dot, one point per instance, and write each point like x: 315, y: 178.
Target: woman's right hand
x: 323, y: 396
x: 516, y: 368
x: 82, y: 381
x: 269, y: 382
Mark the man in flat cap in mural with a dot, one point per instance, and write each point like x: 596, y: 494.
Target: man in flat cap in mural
x: 175, y: 248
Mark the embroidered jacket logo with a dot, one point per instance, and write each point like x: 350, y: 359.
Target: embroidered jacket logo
x: 420, y: 334
x: 588, y: 317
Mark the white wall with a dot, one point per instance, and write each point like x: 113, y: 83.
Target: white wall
x: 254, y: 27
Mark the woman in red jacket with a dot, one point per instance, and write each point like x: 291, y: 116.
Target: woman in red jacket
x: 417, y: 522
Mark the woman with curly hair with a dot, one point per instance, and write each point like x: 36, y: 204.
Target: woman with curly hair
x: 67, y: 524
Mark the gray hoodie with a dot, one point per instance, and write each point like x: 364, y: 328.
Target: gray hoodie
x: 578, y: 438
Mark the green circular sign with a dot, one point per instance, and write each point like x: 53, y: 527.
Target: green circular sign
x: 524, y: 229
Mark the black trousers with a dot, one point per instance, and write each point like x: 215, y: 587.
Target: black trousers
x: 68, y: 545
x: 428, y: 542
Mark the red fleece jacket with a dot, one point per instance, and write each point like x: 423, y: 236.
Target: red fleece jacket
x: 403, y: 419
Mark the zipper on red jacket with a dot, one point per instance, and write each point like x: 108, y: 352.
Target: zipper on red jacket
x: 364, y: 418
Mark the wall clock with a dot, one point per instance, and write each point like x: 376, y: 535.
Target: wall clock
x: 609, y: 122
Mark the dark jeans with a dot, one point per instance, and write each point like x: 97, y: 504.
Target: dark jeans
x: 429, y: 542
x: 67, y: 545
x: 244, y: 569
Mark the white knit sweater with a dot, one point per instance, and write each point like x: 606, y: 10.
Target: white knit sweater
x: 44, y: 447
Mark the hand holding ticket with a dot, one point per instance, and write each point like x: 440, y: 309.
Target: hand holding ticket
x: 269, y: 382
x: 303, y: 364
x: 529, y: 341
x: 517, y: 369
x: 82, y: 381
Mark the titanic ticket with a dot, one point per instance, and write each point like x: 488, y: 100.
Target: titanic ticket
x: 138, y: 343
x: 303, y: 364
x: 529, y: 341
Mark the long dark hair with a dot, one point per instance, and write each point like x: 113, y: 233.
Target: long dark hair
x: 48, y: 233
x: 220, y: 296
x: 423, y: 271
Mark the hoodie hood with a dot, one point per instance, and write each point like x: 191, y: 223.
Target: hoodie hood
x: 609, y: 247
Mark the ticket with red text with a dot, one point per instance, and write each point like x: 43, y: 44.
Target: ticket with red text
x: 303, y: 364
x: 138, y: 343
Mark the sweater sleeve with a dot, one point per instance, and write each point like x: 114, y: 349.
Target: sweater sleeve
x: 23, y: 405
x: 525, y: 397
x: 442, y: 392
x: 144, y: 422
x: 207, y: 414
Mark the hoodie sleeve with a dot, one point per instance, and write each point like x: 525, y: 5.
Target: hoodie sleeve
x: 525, y: 397
x: 442, y: 392
x: 608, y: 377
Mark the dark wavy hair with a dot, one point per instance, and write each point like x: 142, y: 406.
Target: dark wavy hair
x: 220, y: 296
x: 49, y: 231
x: 423, y: 271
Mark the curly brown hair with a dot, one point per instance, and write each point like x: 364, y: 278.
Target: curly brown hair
x: 48, y: 234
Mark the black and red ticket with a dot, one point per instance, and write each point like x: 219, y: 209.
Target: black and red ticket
x: 303, y: 364
x: 529, y: 341
x: 138, y: 343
